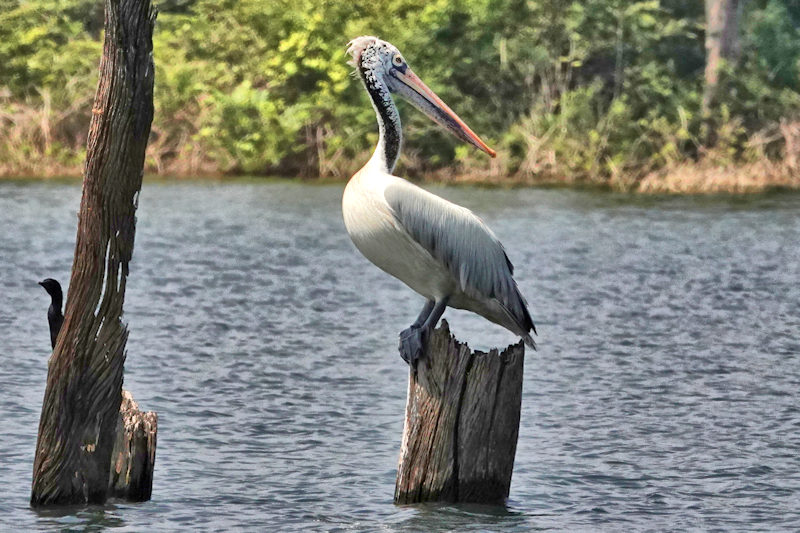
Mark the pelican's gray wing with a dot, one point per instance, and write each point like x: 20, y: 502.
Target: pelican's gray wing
x: 463, y: 243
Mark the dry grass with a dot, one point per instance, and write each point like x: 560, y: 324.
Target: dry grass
x: 708, y: 176
x: 697, y: 178
x: 36, y: 140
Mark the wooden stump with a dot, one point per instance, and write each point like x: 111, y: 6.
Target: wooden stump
x: 462, y: 422
x: 84, y: 378
x: 134, y: 454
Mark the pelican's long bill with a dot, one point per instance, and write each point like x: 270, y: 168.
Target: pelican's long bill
x: 424, y: 99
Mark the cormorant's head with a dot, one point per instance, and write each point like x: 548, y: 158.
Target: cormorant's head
x: 52, y: 287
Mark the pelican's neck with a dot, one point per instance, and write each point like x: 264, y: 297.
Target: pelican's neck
x: 391, y: 136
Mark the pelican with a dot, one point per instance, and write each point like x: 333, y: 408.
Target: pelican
x: 439, y: 249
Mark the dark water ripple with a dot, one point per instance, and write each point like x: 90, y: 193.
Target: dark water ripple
x: 664, y: 394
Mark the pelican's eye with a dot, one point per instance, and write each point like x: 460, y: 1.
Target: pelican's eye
x: 397, y: 60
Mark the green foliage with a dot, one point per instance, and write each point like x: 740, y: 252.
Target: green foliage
x: 774, y: 35
x: 48, y: 45
x: 590, y: 89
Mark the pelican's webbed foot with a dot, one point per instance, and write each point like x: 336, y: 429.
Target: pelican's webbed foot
x: 412, y: 340
x: 411, y: 343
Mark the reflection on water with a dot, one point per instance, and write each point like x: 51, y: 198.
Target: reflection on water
x: 82, y: 518
x: 663, y: 394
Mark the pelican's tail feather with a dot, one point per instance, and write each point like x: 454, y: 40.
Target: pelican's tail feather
x: 529, y: 341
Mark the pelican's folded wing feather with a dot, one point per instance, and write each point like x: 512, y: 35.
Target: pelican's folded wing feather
x: 460, y: 240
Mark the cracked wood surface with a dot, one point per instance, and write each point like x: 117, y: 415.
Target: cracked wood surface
x: 462, y: 423
x: 84, y: 380
x: 134, y: 454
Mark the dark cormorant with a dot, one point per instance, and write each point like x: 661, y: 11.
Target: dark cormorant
x: 54, y: 316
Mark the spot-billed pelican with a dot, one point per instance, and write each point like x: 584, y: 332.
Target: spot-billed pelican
x: 439, y: 249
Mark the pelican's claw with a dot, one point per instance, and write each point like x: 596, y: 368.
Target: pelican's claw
x: 411, y: 342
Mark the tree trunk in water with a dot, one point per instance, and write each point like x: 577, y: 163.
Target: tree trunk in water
x: 462, y: 423
x: 722, y: 45
x: 84, y: 380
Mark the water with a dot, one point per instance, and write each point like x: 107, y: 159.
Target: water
x: 664, y: 394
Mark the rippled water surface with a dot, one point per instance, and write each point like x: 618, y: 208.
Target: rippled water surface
x: 664, y: 394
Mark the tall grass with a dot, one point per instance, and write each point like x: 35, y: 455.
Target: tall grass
x: 567, y: 142
x: 38, y: 140
x: 715, y: 173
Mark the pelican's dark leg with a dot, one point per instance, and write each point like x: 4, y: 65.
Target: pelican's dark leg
x: 412, y: 339
x: 424, y: 314
x: 435, y: 314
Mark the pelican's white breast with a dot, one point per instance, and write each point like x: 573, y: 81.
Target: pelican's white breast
x: 377, y: 234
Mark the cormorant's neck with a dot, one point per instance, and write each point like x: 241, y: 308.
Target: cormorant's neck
x: 56, y: 300
x: 388, y: 149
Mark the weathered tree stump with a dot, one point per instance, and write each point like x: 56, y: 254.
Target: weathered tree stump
x: 462, y: 422
x: 134, y: 454
x: 84, y: 379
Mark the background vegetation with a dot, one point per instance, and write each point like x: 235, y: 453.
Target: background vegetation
x: 603, y: 91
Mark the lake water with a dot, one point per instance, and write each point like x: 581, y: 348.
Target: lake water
x: 664, y: 394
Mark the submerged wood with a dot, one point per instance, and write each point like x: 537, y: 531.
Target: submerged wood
x: 134, y: 454
x: 462, y: 423
x: 84, y: 380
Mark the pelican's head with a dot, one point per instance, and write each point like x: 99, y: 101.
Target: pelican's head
x: 380, y: 63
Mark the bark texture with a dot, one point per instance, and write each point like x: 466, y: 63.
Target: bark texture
x: 722, y: 44
x: 134, y: 454
x: 462, y: 423
x: 84, y: 382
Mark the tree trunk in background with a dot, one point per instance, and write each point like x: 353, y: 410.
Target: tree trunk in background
x: 722, y: 45
x: 462, y: 423
x: 84, y: 381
